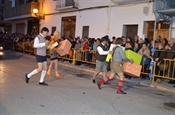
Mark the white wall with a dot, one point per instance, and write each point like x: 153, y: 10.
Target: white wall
x: 129, y: 15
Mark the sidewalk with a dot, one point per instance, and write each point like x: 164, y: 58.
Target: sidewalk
x: 164, y: 86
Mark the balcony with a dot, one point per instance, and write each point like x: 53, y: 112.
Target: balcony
x: 125, y: 2
x: 21, y: 11
x: 66, y: 5
x: 166, y: 7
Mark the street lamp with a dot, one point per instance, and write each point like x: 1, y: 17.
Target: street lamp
x: 38, y: 15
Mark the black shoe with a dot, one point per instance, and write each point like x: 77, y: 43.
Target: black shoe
x: 27, y: 79
x: 43, y: 83
x: 93, y: 81
x: 121, y: 92
x: 170, y: 82
x: 174, y: 86
x: 99, y: 86
x: 106, y: 83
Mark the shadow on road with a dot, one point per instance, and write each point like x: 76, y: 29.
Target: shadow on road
x: 10, y: 55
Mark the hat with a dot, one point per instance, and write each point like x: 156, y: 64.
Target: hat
x: 105, y: 38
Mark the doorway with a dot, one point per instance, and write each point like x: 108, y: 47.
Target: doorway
x: 130, y: 30
x: 33, y: 27
x: 68, y: 26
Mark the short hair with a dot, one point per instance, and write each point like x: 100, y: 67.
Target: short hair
x: 44, y: 29
x: 119, y: 41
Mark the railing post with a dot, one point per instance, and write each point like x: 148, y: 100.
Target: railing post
x: 13, y: 46
x: 153, y: 73
x: 23, y: 47
x: 74, y: 57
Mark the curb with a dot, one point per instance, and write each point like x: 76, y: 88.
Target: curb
x: 141, y: 83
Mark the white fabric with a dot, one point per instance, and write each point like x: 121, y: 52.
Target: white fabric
x: 101, y: 51
x: 32, y: 73
x: 43, y: 74
x: 37, y: 44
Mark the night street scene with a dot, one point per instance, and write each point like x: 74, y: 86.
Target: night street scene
x: 87, y: 57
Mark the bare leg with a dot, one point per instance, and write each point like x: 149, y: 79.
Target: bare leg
x: 49, y: 69
x: 56, y: 69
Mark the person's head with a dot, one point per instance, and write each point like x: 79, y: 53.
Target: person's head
x: 141, y: 41
x: 144, y: 46
x: 77, y: 41
x: 167, y: 47
x: 119, y: 41
x: 158, y: 38
x: 164, y: 41
x: 136, y: 38
x: 128, y: 39
x: 56, y: 35
x: 160, y: 46
x: 104, y: 40
x: 98, y: 41
x: 44, y: 31
x: 123, y: 39
x: 128, y: 45
x: 136, y: 45
x: 171, y: 41
x: 113, y: 38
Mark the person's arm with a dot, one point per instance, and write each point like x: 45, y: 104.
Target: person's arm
x: 37, y: 44
x: 101, y: 51
x: 122, y: 53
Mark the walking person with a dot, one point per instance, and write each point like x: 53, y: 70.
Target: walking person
x: 101, y: 65
x: 118, y: 56
x: 54, y: 55
x: 40, y: 44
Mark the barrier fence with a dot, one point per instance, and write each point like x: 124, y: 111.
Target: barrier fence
x: 166, y: 70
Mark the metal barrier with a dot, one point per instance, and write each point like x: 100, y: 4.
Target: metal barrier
x: 166, y: 70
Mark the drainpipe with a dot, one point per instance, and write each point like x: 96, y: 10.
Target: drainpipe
x: 109, y: 19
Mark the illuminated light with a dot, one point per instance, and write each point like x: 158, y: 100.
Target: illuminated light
x: 1, y: 53
x: 35, y: 10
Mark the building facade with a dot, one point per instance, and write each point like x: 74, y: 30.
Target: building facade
x: 92, y: 18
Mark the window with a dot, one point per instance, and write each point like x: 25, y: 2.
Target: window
x: 85, y: 31
x: 53, y: 29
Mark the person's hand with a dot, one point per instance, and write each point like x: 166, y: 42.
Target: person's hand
x: 110, y: 52
x: 157, y: 59
x: 131, y: 61
x: 47, y: 42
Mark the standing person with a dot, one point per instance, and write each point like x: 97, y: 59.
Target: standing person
x: 118, y: 56
x: 54, y: 55
x: 170, y: 55
x: 40, y: 44
x: 101, y: 64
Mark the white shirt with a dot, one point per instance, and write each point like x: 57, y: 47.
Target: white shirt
x: 37, y: 44
x: 101, y: 51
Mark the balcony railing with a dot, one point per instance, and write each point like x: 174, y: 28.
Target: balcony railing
x: 25, y: 10
x: 71, y: 5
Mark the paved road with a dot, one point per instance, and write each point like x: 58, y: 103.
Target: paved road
x: 74, y: 94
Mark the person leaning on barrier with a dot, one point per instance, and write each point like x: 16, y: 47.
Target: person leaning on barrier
x: 101, y: 64
x: 118, y: 56
x: 158, y: 58
x: 40, y: 44
x: 170, y: 55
